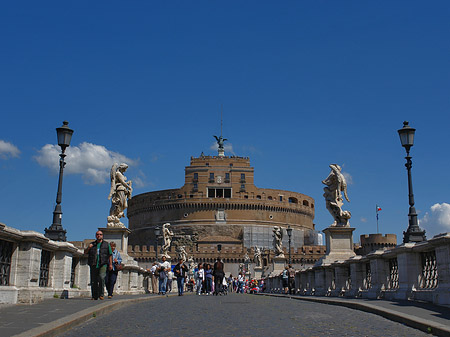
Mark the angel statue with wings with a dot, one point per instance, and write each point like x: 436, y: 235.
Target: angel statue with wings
x: 119, y: 194
x: 336, y: 185
x: 278, y: 241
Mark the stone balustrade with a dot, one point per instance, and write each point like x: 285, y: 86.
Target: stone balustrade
x: 411, y: 271
x: 33, y: 268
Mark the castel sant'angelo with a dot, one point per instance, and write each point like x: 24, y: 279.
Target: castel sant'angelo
x: 220, y: 210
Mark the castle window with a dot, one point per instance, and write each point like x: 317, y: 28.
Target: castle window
x: 195, y: 177
x: 211, y: 177
x: 242, y: 177
x: 211, y: 193
x: 269, y: 198
x: 281, y: 198
x: 305, y: 203
x: 243, y: 188
x: 258, y: 197
x: 219, y: 192
x: 227, y: 177
x: 293, y: 200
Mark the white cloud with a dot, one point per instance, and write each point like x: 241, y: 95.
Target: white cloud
x: 228, y: 147
x: 363, y: 219
x: 437, y: 220
x: 92, y: 161
x: 8, y: 150
x: 348, y: 178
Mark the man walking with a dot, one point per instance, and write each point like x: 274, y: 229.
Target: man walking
x: 164, y: 268
x: 180, y: 272
x: 99, y: 259
x: 218, y: 277
x: 291, y: 272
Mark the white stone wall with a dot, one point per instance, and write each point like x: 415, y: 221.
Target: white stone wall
x: 26, y: 264
x: 318, y: 280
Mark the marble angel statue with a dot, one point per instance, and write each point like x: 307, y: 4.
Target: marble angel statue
x: 120, y: 192
x: 334, y: 191
x: 278, y: 241
x: 167, y: 237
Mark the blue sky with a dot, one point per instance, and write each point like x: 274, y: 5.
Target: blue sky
x: 303, y: 84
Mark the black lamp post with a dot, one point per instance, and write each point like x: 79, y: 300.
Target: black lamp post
x: 56, y: 232
x: 157, y: 234
x: 289, y: 233
x: 414, y: 233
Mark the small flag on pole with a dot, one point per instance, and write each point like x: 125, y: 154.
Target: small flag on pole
x: 378, y: 208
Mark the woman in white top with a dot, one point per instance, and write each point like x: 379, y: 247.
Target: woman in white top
x: 200, y: 278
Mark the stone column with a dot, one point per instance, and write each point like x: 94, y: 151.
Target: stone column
x: 341, y: 273
x: 339, y: 241
x: 380, y: 271
x: 357, y: 275
x: 320, y: 288
x: 258, y: 272
x: 409, y: 269
x: 441, y: 294
x: 311, y: 276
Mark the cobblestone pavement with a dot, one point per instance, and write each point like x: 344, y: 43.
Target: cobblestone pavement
x: 238, y: 315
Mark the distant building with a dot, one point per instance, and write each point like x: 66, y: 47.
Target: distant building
x: 372, y: 242
x: 219, y: 206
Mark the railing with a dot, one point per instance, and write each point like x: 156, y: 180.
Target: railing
x: 45, y: 266
x: 72, y: 271
x: 393, y: 273
x: 429, y: 277
x: 368, y: 278
x: 6, y: 251
x: 62, y: 269
x: 411, y: 271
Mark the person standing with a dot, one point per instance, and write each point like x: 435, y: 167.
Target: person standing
x: 218, y: 277
x: 99, y: 260
x: 111, y: 275
x: 164, y: 268
x: 200, y: 278
x: 169, y: 281
x: 240, y: 282
x: 291, y: 282
x: 285, y: 279
x: 154, y: 277
x: 180, y: 271
x: 208, y: 279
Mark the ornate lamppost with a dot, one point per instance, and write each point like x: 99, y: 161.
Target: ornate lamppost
x: 157, y: 235
x: 56, y: 232
x: 414, y: 233
x: 289, y: 233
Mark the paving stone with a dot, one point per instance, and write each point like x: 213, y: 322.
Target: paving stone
x: 239, y: 315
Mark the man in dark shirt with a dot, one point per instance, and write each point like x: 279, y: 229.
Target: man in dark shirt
x: 218, y: 277
x: 99, y: 259
x: 180, y: 271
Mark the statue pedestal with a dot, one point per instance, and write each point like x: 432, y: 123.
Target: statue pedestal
x: 339, y: 241
x: 278, y: 265
x: 258, y: 272
x: 118, y: 235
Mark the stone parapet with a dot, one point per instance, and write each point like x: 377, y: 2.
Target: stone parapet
x: 35, y: 268
x: 411, y: 271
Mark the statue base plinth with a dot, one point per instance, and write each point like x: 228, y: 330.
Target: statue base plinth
x: 278, y: 263
x: 258, y: 272
x: 339, y: 241
x: 119, y: 236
